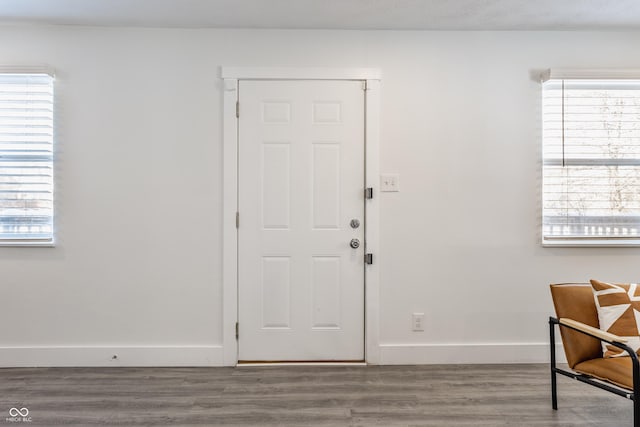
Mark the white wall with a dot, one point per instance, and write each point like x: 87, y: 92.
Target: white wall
x: 137, y: 268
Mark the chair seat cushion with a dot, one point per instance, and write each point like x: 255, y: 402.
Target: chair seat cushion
x: 618, y: 370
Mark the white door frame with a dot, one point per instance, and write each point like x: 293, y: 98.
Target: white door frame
x: 231, y: 76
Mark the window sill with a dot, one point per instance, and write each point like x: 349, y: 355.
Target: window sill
x: 591, y: 243
x: 26, y: 244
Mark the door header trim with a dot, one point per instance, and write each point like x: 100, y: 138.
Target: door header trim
x: 304, y: 73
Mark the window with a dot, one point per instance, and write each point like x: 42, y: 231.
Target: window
x: 591, y: 160
x: 26, y: 158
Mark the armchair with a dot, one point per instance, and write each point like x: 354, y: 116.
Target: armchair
x: 577, y: 320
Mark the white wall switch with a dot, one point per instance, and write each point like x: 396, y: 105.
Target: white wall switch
x: 390, y: 182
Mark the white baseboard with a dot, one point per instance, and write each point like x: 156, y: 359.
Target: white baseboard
x: 104, y: 356
x: 423, y: 354
x: 390, y: 354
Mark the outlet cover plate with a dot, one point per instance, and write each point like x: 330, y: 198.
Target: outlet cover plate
x: 418, y: 322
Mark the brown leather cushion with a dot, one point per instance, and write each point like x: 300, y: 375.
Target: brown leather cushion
x: 618, y: 370
x: 575, y: 301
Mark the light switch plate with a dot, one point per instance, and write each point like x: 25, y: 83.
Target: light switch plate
x: 390, y: 182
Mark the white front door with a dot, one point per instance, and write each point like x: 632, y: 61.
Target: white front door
x: 301, y: 194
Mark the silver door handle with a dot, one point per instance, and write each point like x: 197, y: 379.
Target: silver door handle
x: 355, y: 243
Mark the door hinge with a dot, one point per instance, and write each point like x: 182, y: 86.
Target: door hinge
x: 368, y: 259
x: 368, y: 193
x: 365, y: 85
x: 238, y: 109
x: 237, y: 219
x: 237, y: 331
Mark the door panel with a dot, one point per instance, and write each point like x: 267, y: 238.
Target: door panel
x: 301, y: 181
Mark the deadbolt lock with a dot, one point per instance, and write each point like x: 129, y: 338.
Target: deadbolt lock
x: 355, y: 223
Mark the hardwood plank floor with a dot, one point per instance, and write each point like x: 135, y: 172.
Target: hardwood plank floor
x: 426, y: 395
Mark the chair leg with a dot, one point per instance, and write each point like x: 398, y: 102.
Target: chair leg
x: 636, y: 388
x: 636, y: 393
x: 554, y: 385
x: 554, y: 393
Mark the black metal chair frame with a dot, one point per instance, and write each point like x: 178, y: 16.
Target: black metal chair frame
x: 633, y: 395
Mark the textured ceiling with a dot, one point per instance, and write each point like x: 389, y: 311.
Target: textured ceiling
x: 334, y: 14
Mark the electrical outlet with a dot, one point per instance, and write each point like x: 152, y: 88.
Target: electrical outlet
x: 390, y: 182
x: 418, y: 322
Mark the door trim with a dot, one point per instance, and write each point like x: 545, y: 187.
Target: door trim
x: 231, y: 76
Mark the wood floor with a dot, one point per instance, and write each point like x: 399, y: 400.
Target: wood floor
x: 450, y: 395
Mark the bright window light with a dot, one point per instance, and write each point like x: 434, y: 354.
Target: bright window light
x: 26, y: 158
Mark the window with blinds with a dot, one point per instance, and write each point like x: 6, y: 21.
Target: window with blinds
x: 591, y: 160
x: 26, y: 158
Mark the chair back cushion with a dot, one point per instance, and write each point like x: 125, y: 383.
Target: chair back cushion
x: 575, y: 301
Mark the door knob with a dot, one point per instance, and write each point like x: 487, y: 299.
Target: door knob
x: 355, y: 243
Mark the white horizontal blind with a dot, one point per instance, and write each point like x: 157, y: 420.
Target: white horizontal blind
x: 591, y: 158
x: 26, y: 158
